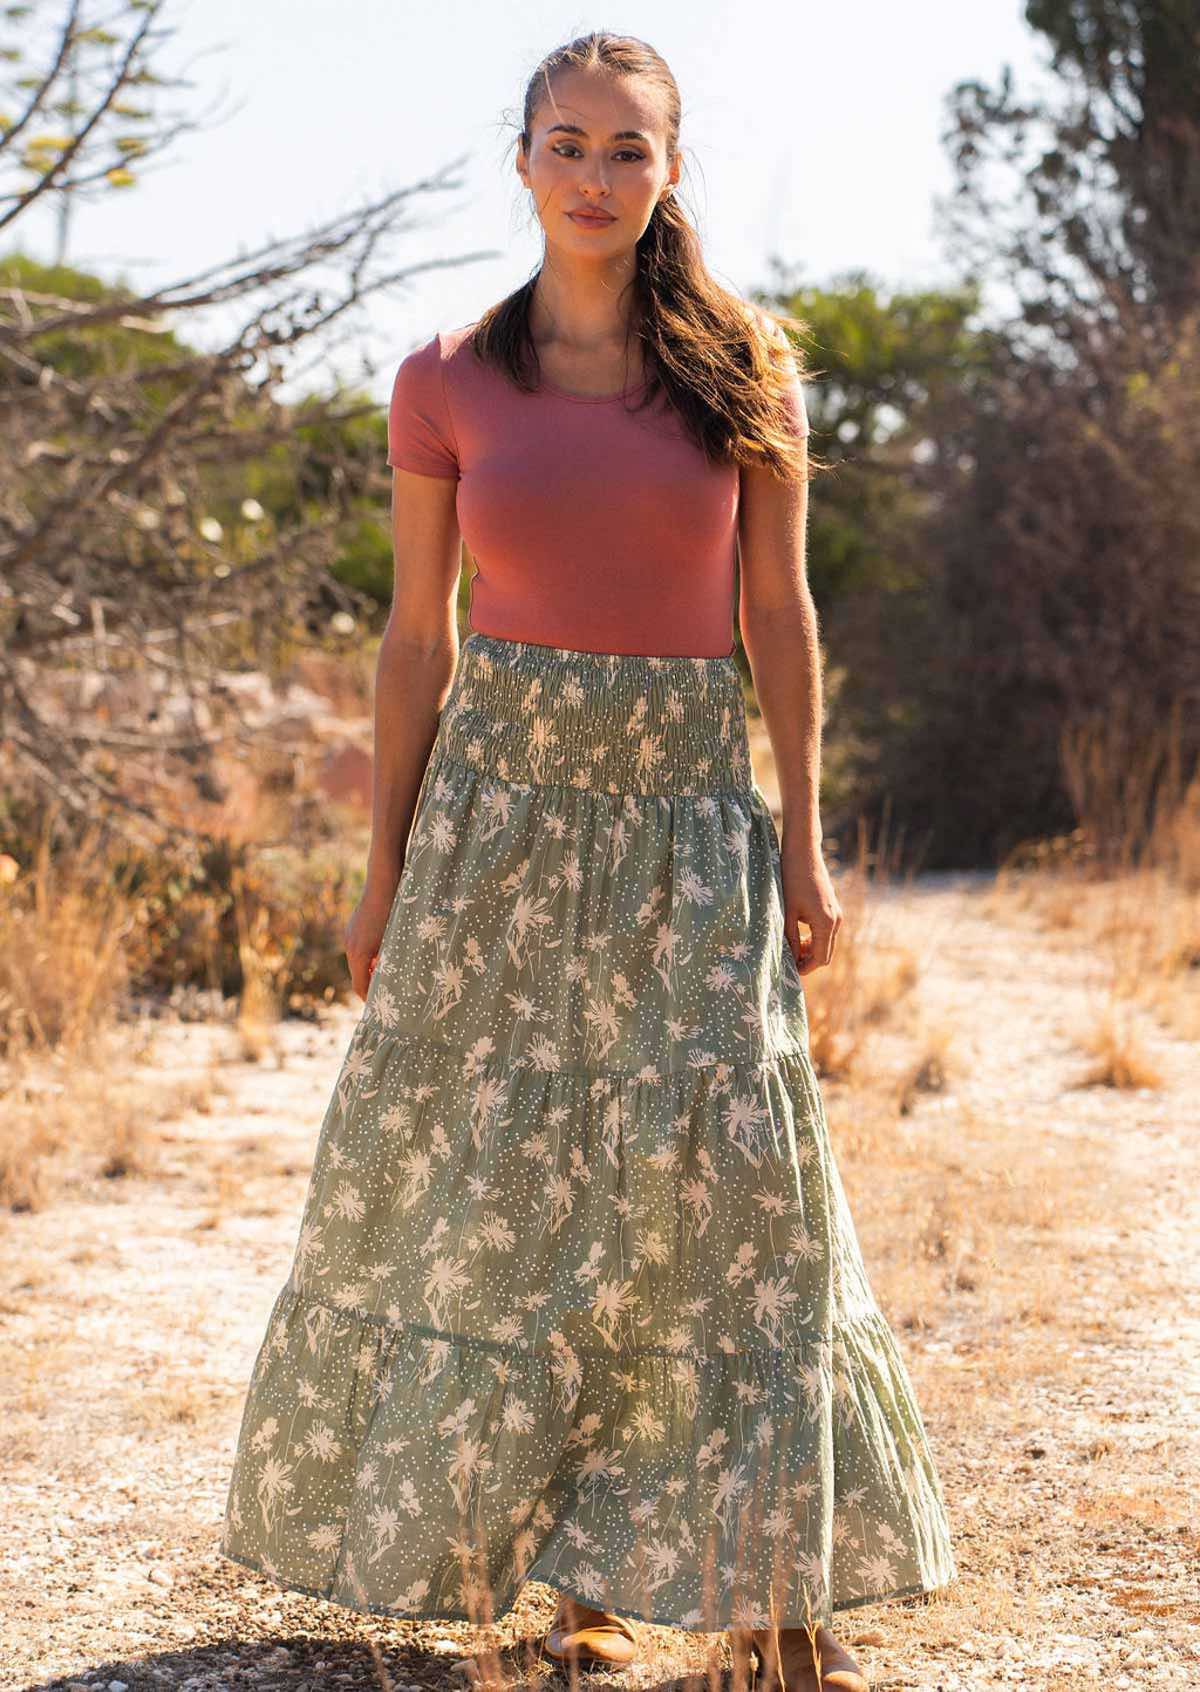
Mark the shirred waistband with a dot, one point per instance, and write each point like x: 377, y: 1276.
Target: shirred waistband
x: 611, y: 722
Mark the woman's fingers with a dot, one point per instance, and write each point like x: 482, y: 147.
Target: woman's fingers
x: 814, y: 948
x: 361, y: 970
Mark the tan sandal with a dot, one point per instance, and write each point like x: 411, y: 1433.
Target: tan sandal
x: 608, y: 1640
x: 838, y: 1671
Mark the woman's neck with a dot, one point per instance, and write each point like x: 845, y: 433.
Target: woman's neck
x: 583, y: 312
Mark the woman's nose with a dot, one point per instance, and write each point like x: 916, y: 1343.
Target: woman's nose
x: 594, y: 180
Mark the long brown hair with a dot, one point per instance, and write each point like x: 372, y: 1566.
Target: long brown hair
x: 722, y: 362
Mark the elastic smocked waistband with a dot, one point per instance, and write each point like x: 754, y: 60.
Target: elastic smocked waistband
x: 612, y: 722
x: 504, y: 650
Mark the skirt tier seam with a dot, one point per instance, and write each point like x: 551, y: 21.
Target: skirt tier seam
x: 416, y: 1332
x: 625, y: 1077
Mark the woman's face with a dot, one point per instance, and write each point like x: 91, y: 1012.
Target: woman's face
x: 597, y: 143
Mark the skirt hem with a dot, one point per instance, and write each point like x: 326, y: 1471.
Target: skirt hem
x: 449, y: 1614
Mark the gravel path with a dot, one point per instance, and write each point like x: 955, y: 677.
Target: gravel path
x: 1037, y: 1243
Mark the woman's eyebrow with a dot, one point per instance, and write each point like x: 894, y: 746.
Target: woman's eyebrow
x: 617, y: 135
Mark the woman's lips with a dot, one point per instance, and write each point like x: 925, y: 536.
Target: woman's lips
x: 589, y: 220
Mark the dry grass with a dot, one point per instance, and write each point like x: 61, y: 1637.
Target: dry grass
x: 868, y: 981
x: 80, y: 928
x: 930, y: 1069
x: 1121, y: 1057
x: 1124, y: 889
x: 264, y: 965
x: 62, y: 933
x: 75, y: 1116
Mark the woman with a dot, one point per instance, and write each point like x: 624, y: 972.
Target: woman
x: 576, y: 1296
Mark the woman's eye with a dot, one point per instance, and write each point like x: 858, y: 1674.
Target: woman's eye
x: 625, y: 152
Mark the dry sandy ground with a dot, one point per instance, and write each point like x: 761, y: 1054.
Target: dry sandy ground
x: 1036, y: 1244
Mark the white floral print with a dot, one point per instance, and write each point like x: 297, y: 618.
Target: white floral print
x: 577, y: 1296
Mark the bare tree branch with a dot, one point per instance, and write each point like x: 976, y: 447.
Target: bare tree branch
x: 166, y: 518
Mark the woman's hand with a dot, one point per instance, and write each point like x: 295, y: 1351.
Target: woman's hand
x: 364, y: 932
x: 808, y: 898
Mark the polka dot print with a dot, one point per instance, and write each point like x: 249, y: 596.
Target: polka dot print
x: 576, y: 1295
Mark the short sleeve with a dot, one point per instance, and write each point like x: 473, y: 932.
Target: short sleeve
x: 420, y: 430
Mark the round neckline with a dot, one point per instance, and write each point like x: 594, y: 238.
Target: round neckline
x: 592, y: 399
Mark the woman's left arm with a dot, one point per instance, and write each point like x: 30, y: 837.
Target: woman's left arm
x: 778, y: 622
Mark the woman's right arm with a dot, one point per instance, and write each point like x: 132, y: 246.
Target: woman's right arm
x: 417, y: 658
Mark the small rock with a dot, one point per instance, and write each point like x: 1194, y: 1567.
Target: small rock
x: 445, y: 1645
x: 161, y: 1576
x: 117, y: 1686
x: 872, y: 1638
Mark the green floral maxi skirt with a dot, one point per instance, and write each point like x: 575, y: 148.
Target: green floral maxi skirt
x: 576, y: 1296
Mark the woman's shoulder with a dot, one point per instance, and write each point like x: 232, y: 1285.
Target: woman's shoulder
x: 443, y: 347
x: 455, y: 341
x: 432, y: 372
x: 446, y: 349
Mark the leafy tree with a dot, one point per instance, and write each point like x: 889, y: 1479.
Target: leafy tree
x: 1065, y: 494
x: 889, y: 372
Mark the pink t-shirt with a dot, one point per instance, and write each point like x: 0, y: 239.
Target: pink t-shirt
x: 591, y: 525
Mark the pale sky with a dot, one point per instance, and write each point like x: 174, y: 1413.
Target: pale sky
x: 809, y: 132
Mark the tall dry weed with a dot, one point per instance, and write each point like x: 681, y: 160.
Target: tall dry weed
x: 867, y: 978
